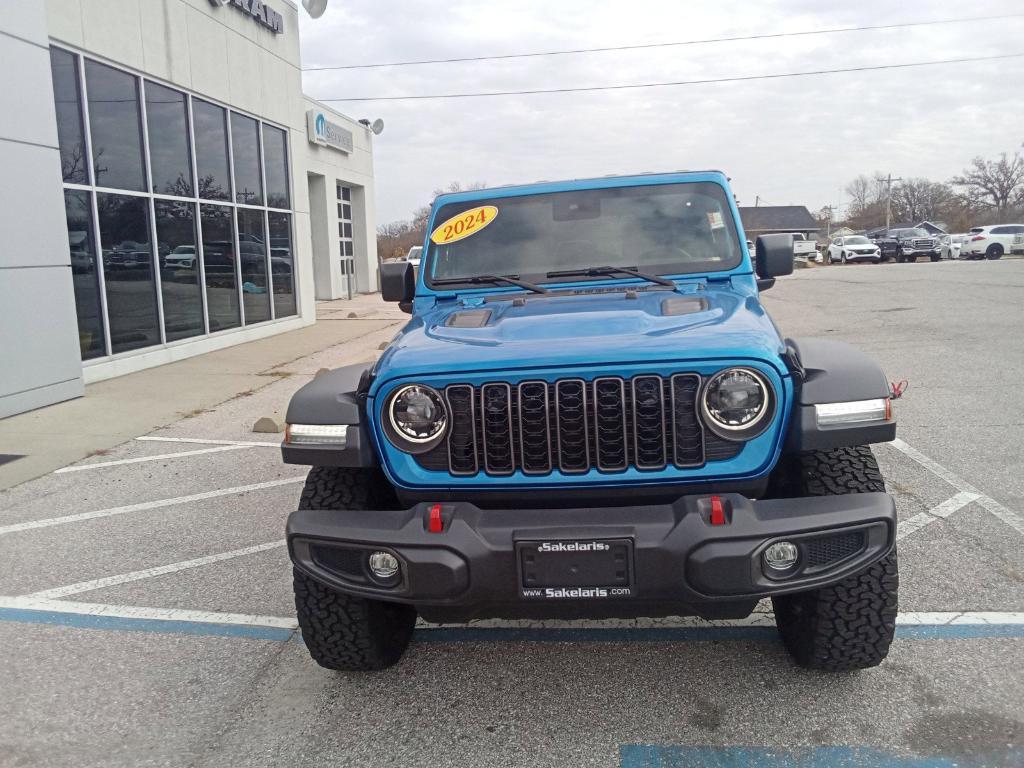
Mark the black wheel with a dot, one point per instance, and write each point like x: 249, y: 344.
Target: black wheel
x: 994, y: 251
x: 848, y: 625
x: 341, y: 631
x: 936, y: 257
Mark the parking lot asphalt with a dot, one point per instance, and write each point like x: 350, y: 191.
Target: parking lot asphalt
x: 147, y: 615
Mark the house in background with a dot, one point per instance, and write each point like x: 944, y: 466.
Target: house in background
x: 935, y: 229
x: 772, y: 219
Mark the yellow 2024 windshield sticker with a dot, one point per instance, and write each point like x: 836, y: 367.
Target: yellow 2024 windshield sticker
x: 463, y: 225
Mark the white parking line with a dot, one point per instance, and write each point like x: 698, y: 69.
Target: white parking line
x: 1008, y: 516
x: 945, y: 509
x: 142, y: 459
x: 148, y: 573
x: 145, y: 505
x: 138, y: 612
x: 204, y: 441
x: 905, y: 619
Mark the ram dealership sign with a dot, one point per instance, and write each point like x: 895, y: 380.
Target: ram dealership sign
x: 327, y: 134
x: 259, y: 10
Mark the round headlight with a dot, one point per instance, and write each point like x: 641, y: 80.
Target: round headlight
x: 736, y: 403
x: 417, y: 415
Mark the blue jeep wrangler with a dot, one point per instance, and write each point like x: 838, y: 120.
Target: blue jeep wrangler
x: 589, y: 415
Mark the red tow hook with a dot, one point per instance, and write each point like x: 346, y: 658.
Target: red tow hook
x: 435, y: 523
x: 717, y: 516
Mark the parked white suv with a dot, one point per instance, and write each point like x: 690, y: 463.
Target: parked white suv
x: 852, y: 248
x: 993, y: 241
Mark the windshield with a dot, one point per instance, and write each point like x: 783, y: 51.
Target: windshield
x: 858, y: 240
x: 912, y: 233
x: 662, y: 229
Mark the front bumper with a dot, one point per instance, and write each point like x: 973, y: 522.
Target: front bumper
x: 679, y: 562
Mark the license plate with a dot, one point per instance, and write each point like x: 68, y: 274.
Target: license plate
x: 578, y: 569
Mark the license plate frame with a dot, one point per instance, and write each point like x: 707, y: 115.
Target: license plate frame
x: 575, y: 569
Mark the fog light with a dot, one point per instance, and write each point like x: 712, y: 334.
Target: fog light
x: 383, y: 565
x: 781, y: 556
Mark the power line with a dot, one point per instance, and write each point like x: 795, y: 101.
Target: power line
x: 738, y: 79
x: 741, y: 38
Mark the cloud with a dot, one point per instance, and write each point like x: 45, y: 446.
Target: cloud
x: 795, y: 140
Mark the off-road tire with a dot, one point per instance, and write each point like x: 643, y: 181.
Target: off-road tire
x: 341, y: 631
x: 348, y: 633
x: 851, y: 624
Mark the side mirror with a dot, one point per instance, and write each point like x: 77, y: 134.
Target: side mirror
x: 774, y: 258
x: 397, y: 281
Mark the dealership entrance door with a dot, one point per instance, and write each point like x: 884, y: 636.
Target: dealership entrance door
x: 339, y: 237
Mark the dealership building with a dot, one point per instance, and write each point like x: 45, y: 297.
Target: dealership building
x: 167, y: 188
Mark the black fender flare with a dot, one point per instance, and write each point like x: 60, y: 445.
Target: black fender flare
x: 335, y: 397
x: 827, y: 371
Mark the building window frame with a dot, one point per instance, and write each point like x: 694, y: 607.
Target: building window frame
x: 194, y: 200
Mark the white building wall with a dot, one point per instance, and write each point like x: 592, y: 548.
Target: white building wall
x: 354, y: 169
x: 38, y: 327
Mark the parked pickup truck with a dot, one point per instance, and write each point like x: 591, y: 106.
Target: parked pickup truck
x: 914, y: 242
x: 590, y: 414
x: 808, y: 249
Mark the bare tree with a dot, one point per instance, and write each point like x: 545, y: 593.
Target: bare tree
x: 917, y: 200
x: 994, y: 184
x: 395, y: 239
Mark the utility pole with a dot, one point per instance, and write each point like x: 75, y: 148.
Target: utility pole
x: 888, y: 198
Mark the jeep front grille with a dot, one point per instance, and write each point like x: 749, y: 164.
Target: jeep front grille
x: 573, y: 425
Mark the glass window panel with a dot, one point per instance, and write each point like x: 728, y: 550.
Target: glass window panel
x: 84, y: 274
x: 128, y: 271
x: 252, y: 248
x: 282, y: 263
x: 180, y: 283
x: 219, y: 262
x: 115, y: 127
x: 346, y: 193
x: 245, y: 146
x: 346, y: 212
x: 211, y: 150
x: 68, y: 102
x: 169, y: 162
x: 275, y: 157
x: 347, y: 227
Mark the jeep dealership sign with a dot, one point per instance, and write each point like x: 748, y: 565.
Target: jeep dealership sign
x: 259, y: 10
x: 322, y: 131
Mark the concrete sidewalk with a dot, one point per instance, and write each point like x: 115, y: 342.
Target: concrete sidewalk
x: 126, y: 407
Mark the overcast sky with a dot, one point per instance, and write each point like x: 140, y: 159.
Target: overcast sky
x: 789, y: 141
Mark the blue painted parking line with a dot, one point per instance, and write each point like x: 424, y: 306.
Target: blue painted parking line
x: 654, y: 756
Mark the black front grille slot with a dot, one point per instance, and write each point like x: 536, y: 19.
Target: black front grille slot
x: 571, y: 421
x: 687, y: 432
x: 609, y: 423
x: 649, y: 444
x: 534, y: 428
x: 497, y: 422
x: 462, y: 432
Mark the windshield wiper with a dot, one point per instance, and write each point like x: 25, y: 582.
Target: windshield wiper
x: 478, y: 279
x: 596, y: 271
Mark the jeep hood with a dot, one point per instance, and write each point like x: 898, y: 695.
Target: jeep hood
x: 586, y: 329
